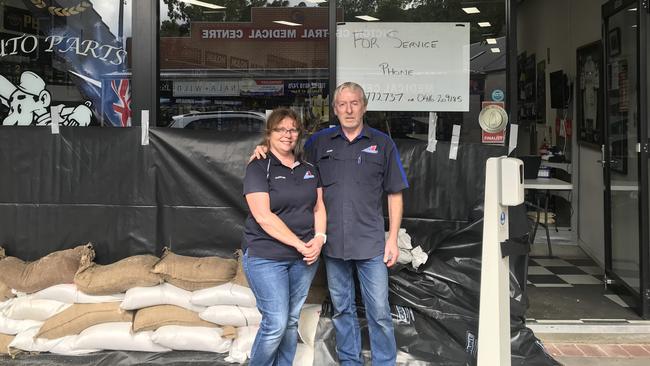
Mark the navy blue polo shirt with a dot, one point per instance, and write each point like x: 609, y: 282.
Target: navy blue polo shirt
x: 292, y: 194
x: 354, y: 175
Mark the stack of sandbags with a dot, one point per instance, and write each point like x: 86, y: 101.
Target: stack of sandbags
x: 26, y: 313
x: 65, y: 303
x: 52, y: 319
x: 166, y: 310
x: 53, y: 269
x: 119, y: 277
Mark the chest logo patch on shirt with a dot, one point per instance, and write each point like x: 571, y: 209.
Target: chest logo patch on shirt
x: 308, y: 175
x: 280, y: 177
x: 372, y: 149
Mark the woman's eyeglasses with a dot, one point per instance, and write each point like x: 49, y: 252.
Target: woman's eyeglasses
x: 283, y: 131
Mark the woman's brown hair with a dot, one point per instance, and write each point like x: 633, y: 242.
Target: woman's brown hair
x: 274, y: 120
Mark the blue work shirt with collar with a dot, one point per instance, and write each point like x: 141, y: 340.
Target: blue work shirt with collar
x: 292, y: 194
x: 354, y: 175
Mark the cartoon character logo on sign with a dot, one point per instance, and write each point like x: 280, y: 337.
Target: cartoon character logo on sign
x: 29, y: 103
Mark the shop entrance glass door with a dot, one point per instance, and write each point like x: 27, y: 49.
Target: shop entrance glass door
x: 624, y: 159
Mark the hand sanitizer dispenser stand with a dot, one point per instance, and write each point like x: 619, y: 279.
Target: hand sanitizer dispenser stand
x: 504, y: 186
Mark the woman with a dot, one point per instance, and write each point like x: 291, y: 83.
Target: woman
x: 283, y: 236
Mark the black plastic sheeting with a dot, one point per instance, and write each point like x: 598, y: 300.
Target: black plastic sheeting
x: 183, y: 190
x: 100, y: 185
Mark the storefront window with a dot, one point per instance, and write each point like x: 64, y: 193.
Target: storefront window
x: 224, y: 63
x: 418, y: 57
x: 65, y: 60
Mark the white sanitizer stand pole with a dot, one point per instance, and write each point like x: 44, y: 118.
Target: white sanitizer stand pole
x: 504, y: 186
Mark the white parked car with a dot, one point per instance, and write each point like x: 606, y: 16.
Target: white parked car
x: 232, y: 121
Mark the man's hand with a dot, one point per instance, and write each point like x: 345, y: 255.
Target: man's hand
x: 391, y: 252
x: 259, y: 153
x: 314, y: 247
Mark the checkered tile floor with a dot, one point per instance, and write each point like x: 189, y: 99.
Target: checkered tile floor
x: 556, y: 272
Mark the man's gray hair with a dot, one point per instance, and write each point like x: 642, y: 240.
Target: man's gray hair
x: 352, y: 86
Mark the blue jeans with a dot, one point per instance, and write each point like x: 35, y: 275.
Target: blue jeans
x: 280, y: 288
x: 373, y: 277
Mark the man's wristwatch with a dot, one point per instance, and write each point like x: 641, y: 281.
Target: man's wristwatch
x: 323, y: 235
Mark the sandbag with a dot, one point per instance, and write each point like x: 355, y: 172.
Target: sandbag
x: 236, y: 316
x: 26, y: 341
x: 304, y: 355
x: 240, y: 350
x: 154, y: 317
x: 78, y: 317
x: 117, y: 336
x: 53, y: 269
x: 134, y: 271
x: 309, y: 315
x: 25, y: 307
x: 240, y: 276
x: 226, y: 294
x: 13, y: 326
x: 5, y: 339
x: 6, y: 303
x: 163, y: 294
x: 184, y: 338
x: 68, y: 293
x: 195, y: 273
x: 5, y: 292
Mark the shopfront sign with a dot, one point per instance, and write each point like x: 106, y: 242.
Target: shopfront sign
x: 206, y: 88
x: 26, y: 44
x: 407, y: 66
x: 223, y: 31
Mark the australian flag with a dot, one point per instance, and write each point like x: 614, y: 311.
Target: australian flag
x: 116, y: 99
x: 104, y: 81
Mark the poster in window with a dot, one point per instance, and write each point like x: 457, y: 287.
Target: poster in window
x: 589, y: 95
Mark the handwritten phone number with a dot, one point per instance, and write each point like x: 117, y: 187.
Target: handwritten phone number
x: 398, y: 97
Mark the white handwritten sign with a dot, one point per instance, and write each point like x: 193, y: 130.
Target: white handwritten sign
x: 407, y: 66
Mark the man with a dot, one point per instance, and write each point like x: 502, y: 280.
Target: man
x: 357, y: 164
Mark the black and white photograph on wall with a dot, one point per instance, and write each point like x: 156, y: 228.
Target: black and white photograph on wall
x: 589, y: 101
